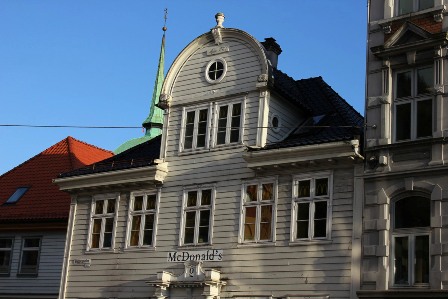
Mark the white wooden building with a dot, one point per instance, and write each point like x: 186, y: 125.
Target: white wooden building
x: 253, y: 189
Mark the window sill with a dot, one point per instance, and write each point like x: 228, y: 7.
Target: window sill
x: 100, y: 251
x: 192, y: 246
x: 310, y: 242
x: 27, y: 275
x: 140, y: 249
x: 254, y: 244
x: 210, y: 149
x: 5, y: 274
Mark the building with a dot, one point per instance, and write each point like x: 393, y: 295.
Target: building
x: 33, y: 219
x: 405, y: 227
x: 253, y: 189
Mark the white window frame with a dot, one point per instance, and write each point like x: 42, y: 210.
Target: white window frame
x: 415, y: 7
x: 103, y: 216
x: 228, y: 124
x: 207, y: 68
x: 312, y: 177
x: 197, y: 210
x: 143, y: 213
x: 194, y: 146
x: 258, y: 204
x: 10, y: 250
x: 24, y: 249
x: 413, y: 99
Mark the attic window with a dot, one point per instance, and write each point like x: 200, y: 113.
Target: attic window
x: 17, y: 195
x: 215, y: 70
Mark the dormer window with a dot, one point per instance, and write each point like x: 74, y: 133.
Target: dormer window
x: 409, y: 6
x: 215, y: 70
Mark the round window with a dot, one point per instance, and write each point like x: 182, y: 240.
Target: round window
x: 215, y: 70
x: 275, y: 123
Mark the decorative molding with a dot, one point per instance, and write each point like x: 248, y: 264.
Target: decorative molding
x: 218, y: 50
x: 263, y: 78
x: 164, y: 101
x: 438, y: 17
x: 378, y: 100
x: 387, y: 29
x: 217, y: 35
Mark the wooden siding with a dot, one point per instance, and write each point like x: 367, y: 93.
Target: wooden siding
x: 50, y: 265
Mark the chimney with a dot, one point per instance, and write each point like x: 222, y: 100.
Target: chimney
x: 272, y: 50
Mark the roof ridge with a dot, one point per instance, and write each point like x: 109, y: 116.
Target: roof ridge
x: 90, y: 145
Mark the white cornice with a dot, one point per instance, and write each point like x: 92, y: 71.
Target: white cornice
x: 299, y: 154
x: 148, y: 174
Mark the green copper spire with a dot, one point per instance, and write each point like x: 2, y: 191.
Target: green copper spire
x: 153, y: 124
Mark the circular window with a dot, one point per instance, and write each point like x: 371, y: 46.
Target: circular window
x: 215, y: 70
x: 275, y: 123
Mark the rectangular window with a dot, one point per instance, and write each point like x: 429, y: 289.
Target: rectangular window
x: 29, y: 260
x: 197, y: 216
x: 229, y: 123
x: 409, y: 6
x: 196, y: 125
x: 258, y: 211
x: 5, y: 255
x: 413, y: 112
x: 311, y: 207
x: 142, y: 219
x: 103, y: 222
x: 411, y: 260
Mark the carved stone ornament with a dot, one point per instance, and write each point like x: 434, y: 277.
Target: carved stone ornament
x: 439, y: 89
x: 164, y: 101
x: 218, y: 50
x: 217, y: 35
x: 263, y: 78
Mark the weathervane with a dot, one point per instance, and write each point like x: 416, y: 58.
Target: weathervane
x: 164, y: 23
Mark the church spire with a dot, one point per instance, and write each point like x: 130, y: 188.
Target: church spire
x: 154, y: 122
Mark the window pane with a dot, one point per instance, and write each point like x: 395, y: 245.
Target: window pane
x: 304, y: 189
x: 5, y: 260
x: 404, y: 86
x: 99, y: 204
x: 138, y: 203
x: 321, y: 187
x: 111, y: 206
x: 425, y: 80
x: 202, y: 128
x: 303, y: 212
x: 151, y: 202
x: 320, y: 219
x: 425, y: 4
x: 192, y: 197
x: 35, y: 242
x: 206, y: 198
x: 190, y: 220
x: 251, y: 193
x: 405, y: 6
x: 135, y: 230
x: 401, y: 260
x: 266, y: 222
x: 29, y: 262
x: 96, y: 233
x: 421, y: 259
x: 412, y: 212
x: 403, y: 121
x: 249, y: 223
x: 189, y: 129
x: 204, y: 226
x: 5, y: 243
x: 236, y: 123
x: 268, y: 190
x: 222, y: 124
x: 107, y: 238
x: 424, y: 118
x: 149, y: 227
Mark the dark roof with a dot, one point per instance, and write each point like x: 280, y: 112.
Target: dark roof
x: 330, y: 117
x: 43, y: 201
x: 138, y: 156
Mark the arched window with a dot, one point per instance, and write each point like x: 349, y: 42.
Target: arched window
x: 410, y: 241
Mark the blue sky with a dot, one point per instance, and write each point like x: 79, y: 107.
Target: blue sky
x: 93, y: 63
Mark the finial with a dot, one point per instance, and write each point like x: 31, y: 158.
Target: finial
x: 219, y: 19
x: 164, y: 23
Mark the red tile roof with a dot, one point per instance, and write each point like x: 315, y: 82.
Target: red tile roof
x: 44, y: 201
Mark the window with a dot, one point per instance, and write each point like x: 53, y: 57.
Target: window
x: 5, y: 255
x: 228, y: 123
x: 17, y: 195
x: 409, y: 6
x: 196, y: 129
x: 413, y: 103
x: 102, y: 221
x: 410, y: 241
x: 29, y: 260
x: 311, y: 207
x: 258, y: 211
x: 215, y: 70
x: 142, y: 219
x: 197, y: 216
